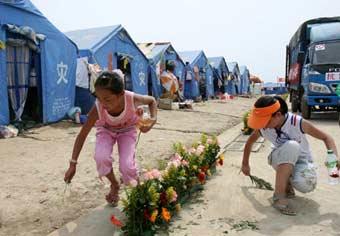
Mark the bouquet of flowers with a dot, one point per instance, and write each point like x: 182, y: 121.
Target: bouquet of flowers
x: 152, y: 202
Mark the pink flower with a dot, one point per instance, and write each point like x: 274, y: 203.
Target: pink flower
x: 210, y: 141
x: 152, y: 174
x: 156, y: 174
x: 147, y: 175
x: 174, y: 197
x: 199, y: 150
x: 176, y: 157
x: 175, y: 163
x: 185, y: 163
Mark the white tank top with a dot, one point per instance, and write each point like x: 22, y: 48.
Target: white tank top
x: 290, y: 130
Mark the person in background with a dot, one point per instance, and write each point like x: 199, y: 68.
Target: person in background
x: 170, y: 83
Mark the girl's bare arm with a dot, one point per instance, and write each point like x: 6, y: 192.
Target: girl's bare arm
x: 312, y: 130
x: 246, y: 152
x: 85, y: 130
x: 147, y: 100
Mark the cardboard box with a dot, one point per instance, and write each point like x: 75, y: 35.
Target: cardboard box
x: 165, y: 103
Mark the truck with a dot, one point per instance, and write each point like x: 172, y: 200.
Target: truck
x: 313, y: 66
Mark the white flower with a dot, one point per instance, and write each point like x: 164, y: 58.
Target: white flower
x: 199, y: 150
x: 133, y: 183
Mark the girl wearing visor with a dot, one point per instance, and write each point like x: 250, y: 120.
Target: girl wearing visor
x: 291, y: 156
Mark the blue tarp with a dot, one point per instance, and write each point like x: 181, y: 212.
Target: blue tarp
x: 199, y: 60
x: 99, y: 43
x: 244, y: 77
x: 158, y: 54
x: 57, y: 61
x: 233, y: 85
x: 221, y: 72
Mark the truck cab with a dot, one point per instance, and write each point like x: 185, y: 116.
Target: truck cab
x: 320, y: 77
x: 313, y: 67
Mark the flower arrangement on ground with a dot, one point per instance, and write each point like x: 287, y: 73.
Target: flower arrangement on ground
x: 151, y: 203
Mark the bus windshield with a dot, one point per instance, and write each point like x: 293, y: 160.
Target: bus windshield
x: 326, y: 53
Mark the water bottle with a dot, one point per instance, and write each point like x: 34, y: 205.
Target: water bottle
x: 146, y: 112
x: 333, y: 172
x: 144, y: 116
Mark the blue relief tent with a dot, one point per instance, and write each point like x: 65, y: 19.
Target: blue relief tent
x: 197, y: 70
x: 233, y: 84
x: 159, y: 54
x: 113, y: 45
x: 221, y: 72
x: 37, y: 64
x: 245, y: 80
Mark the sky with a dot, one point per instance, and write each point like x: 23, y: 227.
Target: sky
x: 251, y: 32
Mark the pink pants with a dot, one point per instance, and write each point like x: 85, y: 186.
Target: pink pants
x: 126, y: 149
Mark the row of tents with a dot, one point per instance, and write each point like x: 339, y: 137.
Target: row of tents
x: 44, y: 72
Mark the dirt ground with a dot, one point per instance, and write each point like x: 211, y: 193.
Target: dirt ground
x: 33, y: 200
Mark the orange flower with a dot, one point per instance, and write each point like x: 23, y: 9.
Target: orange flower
x: 153, y: 216
x: 116, y: 222
x: 166, y: 214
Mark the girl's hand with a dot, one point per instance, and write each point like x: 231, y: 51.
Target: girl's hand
x: 245, y: 169
x: 70, y: 173
x: 139, y: 111
x: 145, y: 125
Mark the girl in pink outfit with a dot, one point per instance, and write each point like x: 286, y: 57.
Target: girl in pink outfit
x: 116, y: 117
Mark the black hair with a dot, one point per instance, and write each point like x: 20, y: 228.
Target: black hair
x: 112, y: 81
x: 170, y: 66
x: 266, y: 101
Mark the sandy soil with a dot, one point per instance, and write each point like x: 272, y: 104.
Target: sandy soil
x: 32, y: 198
